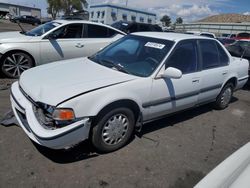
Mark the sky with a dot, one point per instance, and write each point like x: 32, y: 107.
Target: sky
x: 189, y: 10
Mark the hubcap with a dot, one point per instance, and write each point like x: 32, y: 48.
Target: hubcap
x: 115, y: 129
x: 226, y: 96
x: 15, y: 64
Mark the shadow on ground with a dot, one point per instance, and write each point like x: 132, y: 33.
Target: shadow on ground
x: 247, y: 86
x: 178, y: 117
x: 78, y: 153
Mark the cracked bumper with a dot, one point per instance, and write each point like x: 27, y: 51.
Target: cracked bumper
x: 56, y: 139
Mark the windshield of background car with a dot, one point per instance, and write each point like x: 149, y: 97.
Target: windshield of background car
x: 44, y: 28
x: 133, y: 54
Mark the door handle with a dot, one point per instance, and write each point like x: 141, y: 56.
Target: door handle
x: 79, y: 45
x: 196, y: 81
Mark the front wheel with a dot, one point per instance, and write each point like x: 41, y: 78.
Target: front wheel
x: 113, y: 129
x: 15, y: 63
x: 225, y: 96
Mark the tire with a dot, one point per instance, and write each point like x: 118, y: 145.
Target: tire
x: 13, y: 64
x: 107, y: 135
x: 225, y: 96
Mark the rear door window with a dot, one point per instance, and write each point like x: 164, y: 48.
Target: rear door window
x: 224, y: 59
x: 96, y: 31
x: 209, y: 52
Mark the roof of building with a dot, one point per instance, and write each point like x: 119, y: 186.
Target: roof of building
x: 123, y: 8
x: 11, y: 4
x: 169, y: 36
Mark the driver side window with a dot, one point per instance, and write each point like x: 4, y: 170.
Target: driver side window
x: 184, y: 57
x: 69, y: 31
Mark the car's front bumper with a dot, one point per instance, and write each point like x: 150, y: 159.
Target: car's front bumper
x: 57, y: 138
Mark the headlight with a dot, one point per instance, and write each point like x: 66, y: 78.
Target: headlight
x: 63, y: 114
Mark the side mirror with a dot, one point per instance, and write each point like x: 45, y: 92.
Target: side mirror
x: 172, y: 72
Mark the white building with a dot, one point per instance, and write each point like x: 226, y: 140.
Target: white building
x: 19, y: 10
x: 110, y: 13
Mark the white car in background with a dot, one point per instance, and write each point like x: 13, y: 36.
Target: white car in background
x: 137, y: 79
x: 52, y: 41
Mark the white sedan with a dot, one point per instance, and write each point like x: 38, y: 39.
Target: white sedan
x: 52, y: 41
x: 135, y: 80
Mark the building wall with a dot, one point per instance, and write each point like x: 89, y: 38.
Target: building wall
x: 216, y: 28
x: 114, y: 13
x: 17, y: 10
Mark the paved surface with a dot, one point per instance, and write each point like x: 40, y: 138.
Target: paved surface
x: 9, y: 26
x: 175, y: 152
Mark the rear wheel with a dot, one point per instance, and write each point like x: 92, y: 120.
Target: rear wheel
x: 224, y: 97
x: 113, y: 129
x: 15, y: 63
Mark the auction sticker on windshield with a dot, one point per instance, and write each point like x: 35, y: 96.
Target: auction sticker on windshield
x: 155, y: 45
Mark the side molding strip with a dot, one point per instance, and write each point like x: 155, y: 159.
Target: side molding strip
x: 178, y: 97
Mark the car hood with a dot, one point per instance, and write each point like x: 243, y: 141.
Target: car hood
x: 13, y: 36
x: 56, y: 82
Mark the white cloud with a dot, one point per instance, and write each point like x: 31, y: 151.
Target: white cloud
x: 189, y: 10
x: 246, y: 13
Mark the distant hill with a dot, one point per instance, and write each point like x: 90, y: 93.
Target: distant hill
x: 227, y: 18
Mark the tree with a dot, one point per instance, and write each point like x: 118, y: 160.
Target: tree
x: 66, y: 6
x: 69, y: 6
x: 179, y: 20
x: 166, y: 20
x: 54, y: 8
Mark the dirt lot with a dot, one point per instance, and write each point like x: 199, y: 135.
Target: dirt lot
x: 174, y: 152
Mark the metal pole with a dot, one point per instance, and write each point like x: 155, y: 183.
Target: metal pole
x: 126, y: 3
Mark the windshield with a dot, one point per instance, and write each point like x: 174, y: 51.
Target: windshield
x: 44, y: 28
x: 135, y: 55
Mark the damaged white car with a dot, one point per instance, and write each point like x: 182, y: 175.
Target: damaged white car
x: 137, y: 79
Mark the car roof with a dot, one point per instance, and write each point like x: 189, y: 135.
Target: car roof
x: 170, y: 36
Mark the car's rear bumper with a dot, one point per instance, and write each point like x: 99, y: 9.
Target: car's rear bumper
x: 57, y: 138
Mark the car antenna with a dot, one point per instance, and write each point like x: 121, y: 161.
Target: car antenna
x: 244, y: 52
x: 23, y: 31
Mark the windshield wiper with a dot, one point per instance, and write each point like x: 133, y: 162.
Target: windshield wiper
x: 110, y: 63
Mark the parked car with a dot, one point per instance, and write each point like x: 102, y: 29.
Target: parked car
x: 226, y: 35
x: 45, y: 20
x: 26, y: 19
x: 137, y: 79
x: 240, y: 48
x: 232, y: 172
x: 52, y: 41
x: 205, y: 34
x: 226, y: 41
x: 241, y: 36
x: 131, y: 27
